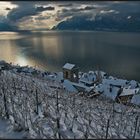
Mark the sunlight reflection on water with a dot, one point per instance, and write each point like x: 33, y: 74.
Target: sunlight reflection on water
x: 115, y: 53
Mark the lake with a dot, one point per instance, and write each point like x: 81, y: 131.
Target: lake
x: 116, y: 53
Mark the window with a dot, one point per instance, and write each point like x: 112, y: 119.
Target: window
x: 67, y: 74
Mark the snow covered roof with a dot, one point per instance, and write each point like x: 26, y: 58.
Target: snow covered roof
x: 136, y: 99
x: 59, y: 76
x: 98, y: 88
x: 88, y: 78
x: 106, y: 91
x: 101, y: 72
x: 69, y: 66
x: 133, y: 83
x: 83, y: 87
x: 85, y: 81
x: 128, y: 91
x: 117, y: 82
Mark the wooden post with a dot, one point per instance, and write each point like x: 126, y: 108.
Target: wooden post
x: 5, y: 103
x: 113, y: 110
x: 58, y: 128
x: 58, y: 119
x: 36, y: 101
x: 107, y: 129
x: 57, y: 101
x: 135, y: 127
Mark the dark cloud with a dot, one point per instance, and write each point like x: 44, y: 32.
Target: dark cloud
x: 61, y: 14
x: 78, y: 9
x: 8, y: 8
x: 82, y: 9
x: 16, y: 15
x: 108, y: 20
x: 66, y: 5
x: 42, y: 17
x: 125, y: 7
x: 89, y: 8
x: 26, y: 9
x: 64, y: 10
x: 117, y: 7
x: 41, y: 8
x: 5, y: 26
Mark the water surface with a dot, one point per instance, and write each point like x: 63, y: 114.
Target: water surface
x: 113, y: 52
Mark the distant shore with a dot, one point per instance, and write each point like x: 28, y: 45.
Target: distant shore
x: 105, y: 30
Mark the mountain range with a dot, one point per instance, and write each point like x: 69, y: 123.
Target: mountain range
x: 111, y: 21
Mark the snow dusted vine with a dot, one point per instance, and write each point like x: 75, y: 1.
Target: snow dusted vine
x: 32, y: 105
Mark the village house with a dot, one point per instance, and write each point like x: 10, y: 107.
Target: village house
x: 91, y: 78
x: 70, y: 72
x: 110, y: 92
x: 115, y: 82
x: 94, y: 84
x: 86, y: 82
x: 127, y: 94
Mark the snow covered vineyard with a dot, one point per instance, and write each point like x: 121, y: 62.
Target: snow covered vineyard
x: 38, y: 104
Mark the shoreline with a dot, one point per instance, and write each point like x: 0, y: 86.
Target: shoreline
x: 90, y: 83
x: 43, y: 31
x: 35, y: 68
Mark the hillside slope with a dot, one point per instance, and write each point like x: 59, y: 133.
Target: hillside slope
x: 34, y: 106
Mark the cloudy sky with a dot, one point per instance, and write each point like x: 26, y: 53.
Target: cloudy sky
x: 44, y: 15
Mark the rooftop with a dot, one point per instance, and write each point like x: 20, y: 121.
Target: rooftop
x: 110, y: 94
x: 117, y: 82
x: 69, y: 66
x: 128, y: 91
x: 82, y: 87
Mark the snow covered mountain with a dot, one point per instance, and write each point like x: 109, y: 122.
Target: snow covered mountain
x: 111, y: 22
x: 123, y: 16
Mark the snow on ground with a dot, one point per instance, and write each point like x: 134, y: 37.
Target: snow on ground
x: 133, y: 84
x: 39, y: 105
x: 136, y: 99
x: 69, y: 86
x: 128, y: 91
x: 7, y: 132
